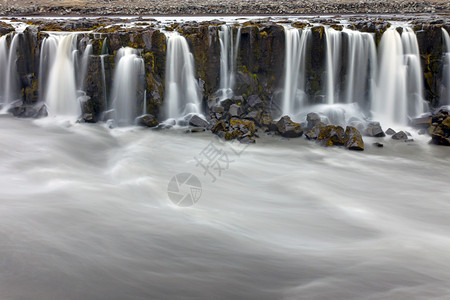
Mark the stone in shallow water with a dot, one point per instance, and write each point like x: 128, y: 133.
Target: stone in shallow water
x: 198, y: 122
x: 400, y: 136
x: 353, y: 139
x: 147, y: 120
x: 312, y: 119
x: 379, y: 145
x: 374, y: 129
x: 287, y: 128
x: 390, y: 131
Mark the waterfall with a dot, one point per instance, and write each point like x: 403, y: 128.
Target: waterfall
x: 294, y: 96
x: 84, y: 66
x: 61, y: 92
x: 182, y: 93
x: 3, y: 66
x: 333, y: 63
x: 445, y: 88
x: 47, y: 56
x: 127, y: 83
x: 416, y: 104
x: 9, y: 85
x: 144, y: 106
x: 360, y: 67
x: 105, y: 95
x: 228, y: 55
x: 105, y: 49
x: 12, y: 80
x: 399, y: 82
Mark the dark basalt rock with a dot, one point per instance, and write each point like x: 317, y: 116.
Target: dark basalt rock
x: 374, y: 129
x: 390, y: 131
x: 440, y: 132
x: 401, y: 135
x: 89, y: 118
x: 21, y: 110
x: 147, y: 120
x: 254, y: 115
x: 198, y: 122
x: 218, y: 109
x: 314, y: 133
x: 312, y: 119
x: 235, y: 110
x: 378, y: 145
x: 353, y: 139
x: 424, y: 122
x: 196, y: 129
x: 247, y: 140
x: 254, y: 101
x: 330, y: 135
x: 287, y: 128
x: 219, y: 127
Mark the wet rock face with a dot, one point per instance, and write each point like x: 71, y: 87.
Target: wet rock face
x: 440, y: 129
x: 259, y: 70
x: 21, y: 110
x: 5, y: 28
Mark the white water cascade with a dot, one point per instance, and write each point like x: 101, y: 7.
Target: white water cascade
x: 183, y: 95
x: 333, y: 63
x: 9, y: 81
x: 229, y: 47
x: 84, y: 66
x: 294, y: 96
x: 445, y: 90
x: 399, y: 92
x: 360, y: 67
x: 127, y: 83
x: 359, y: 63
x: 61, y: 89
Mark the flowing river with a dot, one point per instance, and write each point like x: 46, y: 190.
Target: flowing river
x: 85, y: 214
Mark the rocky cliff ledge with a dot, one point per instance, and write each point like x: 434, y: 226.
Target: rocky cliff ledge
x: 260, y: 60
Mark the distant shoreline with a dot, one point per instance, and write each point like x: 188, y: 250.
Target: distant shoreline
x: 76, y: 8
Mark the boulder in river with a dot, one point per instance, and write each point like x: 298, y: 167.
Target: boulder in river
x: 197, y: 121
x: 374, y: 129
x: 312, y: 119
x: 401, y: 135
x: 288, y: 128
x: 147, y: 120
x: 390, y: 131
x: 353, y: 139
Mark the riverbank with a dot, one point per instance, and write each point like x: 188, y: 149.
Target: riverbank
x: 215, y: 7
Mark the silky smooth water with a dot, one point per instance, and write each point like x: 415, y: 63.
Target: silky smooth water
x: 61, y: 86
x: 294, y: 95
x: 229, y: 47
x: 445, y: 88
x: 127, y: 83
x: 399, y: 94
x: 182, y: 93
x: 85, y: 215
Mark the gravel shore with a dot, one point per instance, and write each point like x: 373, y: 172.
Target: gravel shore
x: 214, y: 7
